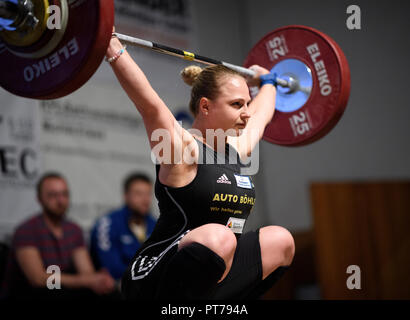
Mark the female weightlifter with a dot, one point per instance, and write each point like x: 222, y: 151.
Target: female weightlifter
x: 197, y: 249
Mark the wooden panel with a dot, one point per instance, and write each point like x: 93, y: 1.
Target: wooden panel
x: 364, y: 224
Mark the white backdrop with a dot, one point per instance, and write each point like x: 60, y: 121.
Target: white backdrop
x: 20, y: 159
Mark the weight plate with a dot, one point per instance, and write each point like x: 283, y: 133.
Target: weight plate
x: 301, y: 123
x: 74, y: 59
x: 293, y: 98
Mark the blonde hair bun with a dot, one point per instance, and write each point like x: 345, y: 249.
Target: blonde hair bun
x: 190, y: 73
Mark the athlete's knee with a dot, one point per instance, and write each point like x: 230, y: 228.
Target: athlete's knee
x: 278, y: 238
x: 220, y: 239
x: 216, y: 237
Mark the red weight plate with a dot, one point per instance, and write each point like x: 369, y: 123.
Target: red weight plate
x: 331, y: 83
x: 67, y: 67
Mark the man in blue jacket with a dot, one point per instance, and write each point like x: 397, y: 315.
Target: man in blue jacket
x: 117, y: 236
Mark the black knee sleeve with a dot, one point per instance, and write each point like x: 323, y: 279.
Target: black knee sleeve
x: 191, y: 273
x: 267, y: 283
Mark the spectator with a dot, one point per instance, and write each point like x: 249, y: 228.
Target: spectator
x: 117, y: 236
x: 49, y: 239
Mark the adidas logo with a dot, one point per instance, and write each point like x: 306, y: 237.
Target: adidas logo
x: 223, y: 179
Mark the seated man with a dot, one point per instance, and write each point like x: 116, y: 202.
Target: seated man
x: 48, y: 239
x: 116, y: 237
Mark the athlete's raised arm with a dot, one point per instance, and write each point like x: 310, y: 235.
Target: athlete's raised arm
x: 153, y: 110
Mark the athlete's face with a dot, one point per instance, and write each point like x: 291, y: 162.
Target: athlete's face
x: 229, y: 110
x: 54, y: 197
x: 138, y: 197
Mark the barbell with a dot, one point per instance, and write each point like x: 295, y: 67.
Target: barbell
x: 43, y: 63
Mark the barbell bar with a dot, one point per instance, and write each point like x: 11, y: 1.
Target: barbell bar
x: 190, y: 56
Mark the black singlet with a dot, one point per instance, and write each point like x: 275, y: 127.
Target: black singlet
x: 218, y: 194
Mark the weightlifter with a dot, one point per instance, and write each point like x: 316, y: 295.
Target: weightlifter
x: 197, y: 249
